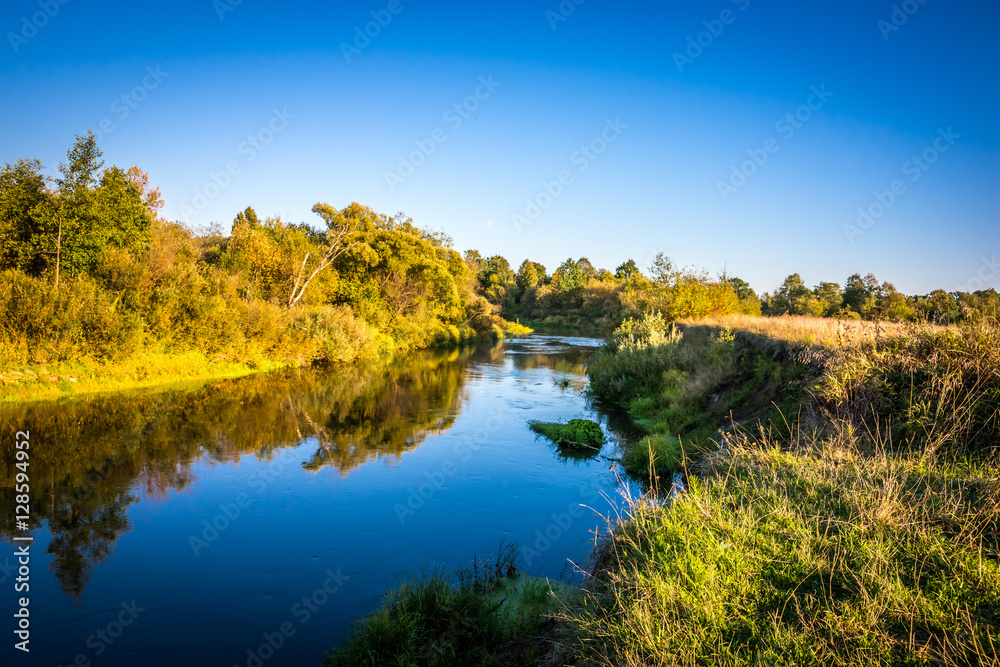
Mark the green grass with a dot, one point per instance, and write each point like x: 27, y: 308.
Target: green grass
x: 574, y: 434
x: 814, y: 554
x: 75, y: 379
x: 860, y: 528
x: 690, y: 383
x: 485, y: 614
x: 654, y: 456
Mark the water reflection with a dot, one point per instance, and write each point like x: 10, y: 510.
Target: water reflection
x: 91, y: 460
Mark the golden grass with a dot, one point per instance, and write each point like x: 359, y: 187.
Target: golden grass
x: 77, y: 379
x: 820, y: 331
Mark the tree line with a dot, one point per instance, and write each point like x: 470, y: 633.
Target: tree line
x: 90, y: 268
x: 578, y: 293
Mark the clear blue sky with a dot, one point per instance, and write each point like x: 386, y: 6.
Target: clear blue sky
x: 679, y: 125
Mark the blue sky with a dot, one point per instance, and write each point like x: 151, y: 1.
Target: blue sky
x: 668, y: 125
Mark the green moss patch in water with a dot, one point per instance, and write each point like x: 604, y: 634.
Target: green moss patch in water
x: 576, y: 433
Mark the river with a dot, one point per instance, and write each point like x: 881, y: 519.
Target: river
x: 251, y: 521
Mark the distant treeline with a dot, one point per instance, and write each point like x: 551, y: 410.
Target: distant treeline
x: 577, y: 293
x: 90, y: 269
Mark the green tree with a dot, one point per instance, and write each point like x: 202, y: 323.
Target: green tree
x: 23, y: 192
x: 860, y: 294
x: 121, y: 216
x: 527, y: 276
x: 568, y: 277
x: 891, y: 305
x: 792, y: 298
x: 626, y: 270
x: 749, y: 301
x: 662, y: 270
x: 830, y: 296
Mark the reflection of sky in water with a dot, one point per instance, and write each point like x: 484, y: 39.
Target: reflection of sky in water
x: 547, y: 344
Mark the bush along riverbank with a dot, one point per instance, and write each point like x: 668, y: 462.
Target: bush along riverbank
x: 841, y: 508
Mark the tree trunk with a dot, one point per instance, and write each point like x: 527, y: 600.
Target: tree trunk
x: 58, y: 252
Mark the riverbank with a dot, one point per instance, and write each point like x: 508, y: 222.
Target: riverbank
x: 859, y: 529
x: 842, y: 501
x: 87, y: 377
x: 157, y: 369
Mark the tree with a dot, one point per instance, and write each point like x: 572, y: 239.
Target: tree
x: 121, y: 214
x: 80, y: 172
x: 497, y: 280
x: 92, y: 212
x: 792, y: 298
x: 568, y: 276
x: 474, y: 261
x: 387, y: 273
x: 742, y: 288
x: 246, y: 217
x: 23, y: 191
x: 860, y: 294
x: 941, y: 307
x: 341, y: 226
x: 830, y: 296
x: 662, y: 270
x: 891, y: 305
x: 527, y: 276
x: 626, y: 270
x: 749, y: 301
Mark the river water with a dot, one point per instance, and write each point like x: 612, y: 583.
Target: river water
x: 250, y: 522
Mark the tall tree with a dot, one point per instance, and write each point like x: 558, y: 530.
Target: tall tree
x: 341, y: 229
x: 830, y: 296
x: 23, y: 191
x: 626, y: 270
x: 860, y: 294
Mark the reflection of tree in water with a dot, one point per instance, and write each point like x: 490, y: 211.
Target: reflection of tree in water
x: 390, y: 417
x: 90, y: 460
x: 83, y: 534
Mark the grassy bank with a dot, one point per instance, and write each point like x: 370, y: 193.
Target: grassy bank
x: 862, y: 531
x: 67, y: 380
x: 842, y: 502
x: 486, y: 614
x: 164, y: 369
